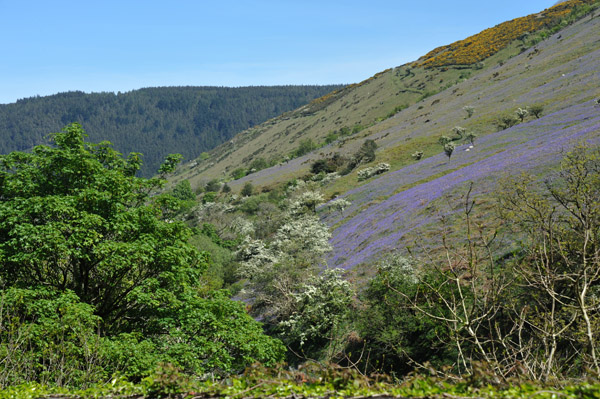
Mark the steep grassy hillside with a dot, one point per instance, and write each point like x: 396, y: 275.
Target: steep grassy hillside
x: 362, y: 107
x: 391, y: 211
x: 153, y: 121
x: 558, y: 73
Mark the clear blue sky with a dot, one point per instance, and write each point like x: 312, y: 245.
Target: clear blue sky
x: 53, y: 46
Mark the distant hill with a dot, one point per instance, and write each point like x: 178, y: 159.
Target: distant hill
x: 153, y: 121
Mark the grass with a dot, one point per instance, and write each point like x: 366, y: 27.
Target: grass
x: 316, y: 383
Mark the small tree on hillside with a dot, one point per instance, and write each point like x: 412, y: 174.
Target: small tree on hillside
x: 471, y: 136
x: 213, y: 186
x: 247, y: 190
x: 183, y: 191
x: 505, y: 122
x: 449, y: 149
x: 366, y: 153
x: 417, y: 155
x: 522, y: 113
x: 536, y: 110
x: 459, y: 131
x: 469, y: 110
x: 443, y: 140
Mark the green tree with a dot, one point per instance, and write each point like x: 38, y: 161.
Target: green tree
x: 536, y: 110
x: 398, y: 334
x: 183, y: 191
x: 449, y: 149
x: 305, y: 146
x: 366, y: 153
x: 239, y: 173
x: 258, y: 164
x: 49, y: 336
x: 74, y: 218
x: 471, y: 136
x: 443, y: 140
x: 505, y: 122
x: 247, y: 190
x: 213, y: 185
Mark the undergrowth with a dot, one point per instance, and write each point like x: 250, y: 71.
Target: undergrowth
x: 316, y: 381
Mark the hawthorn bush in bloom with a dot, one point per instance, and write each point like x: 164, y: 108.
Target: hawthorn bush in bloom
x: 339, y: 204
x: 277, y: 266
x: 366, y: 173
x: 321, y: 307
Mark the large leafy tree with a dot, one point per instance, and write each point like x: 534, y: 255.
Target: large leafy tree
x: 74, y: 218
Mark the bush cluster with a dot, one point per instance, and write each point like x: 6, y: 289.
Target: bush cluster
x: 112, y: 284
x: 478, y: 47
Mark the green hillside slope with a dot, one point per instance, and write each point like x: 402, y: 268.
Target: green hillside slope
x: 371, y: 108
x: 555, y: 72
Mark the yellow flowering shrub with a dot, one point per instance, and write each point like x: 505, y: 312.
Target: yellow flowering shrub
x: 488, y: 42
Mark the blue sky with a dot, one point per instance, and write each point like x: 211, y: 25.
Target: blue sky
x: 104, y: 45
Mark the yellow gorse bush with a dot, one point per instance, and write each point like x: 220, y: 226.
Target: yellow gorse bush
x: 488, y: 42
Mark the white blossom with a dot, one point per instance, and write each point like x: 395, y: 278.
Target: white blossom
x: 320, y: 304
x: 329, y: 178
x: 306, y: 234
x: 308, y: 199
x: 366, y: 173
x: 254, y: 257
x: 242, y: 226
x: 339, y: 204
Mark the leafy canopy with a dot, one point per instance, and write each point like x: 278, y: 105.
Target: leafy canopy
x: 75, y: 217
x: 75, y: 220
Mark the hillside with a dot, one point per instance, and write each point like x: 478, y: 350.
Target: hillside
x: 407, y: 109
x: 153, y: 121
x: 433, y: 231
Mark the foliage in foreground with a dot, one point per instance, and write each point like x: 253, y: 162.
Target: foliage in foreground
x: 311, y: 381
x: 96, y: 278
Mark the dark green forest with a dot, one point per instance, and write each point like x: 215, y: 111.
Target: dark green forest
x: 153, y: 121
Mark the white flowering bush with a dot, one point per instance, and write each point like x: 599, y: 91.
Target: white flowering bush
x: 522, y: 113
x: 308, y: 200
x: 295, y: 186
x: 255, y: 258
x: 214, y: 207
x: 339, y: 204
x: 321, y: 307
x: 469, y: 109
x: 242, y: 226
x: 399, y: 267
x: 277, y: 266
x: 417, y: 155
x: 304, y: 238
x: 330, y: 177
x: 366, y: 173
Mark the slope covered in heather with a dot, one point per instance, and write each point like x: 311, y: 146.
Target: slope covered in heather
x: 391, y: 211
x: 407, y: 109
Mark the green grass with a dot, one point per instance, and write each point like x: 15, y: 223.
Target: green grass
x: 330, y: 383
